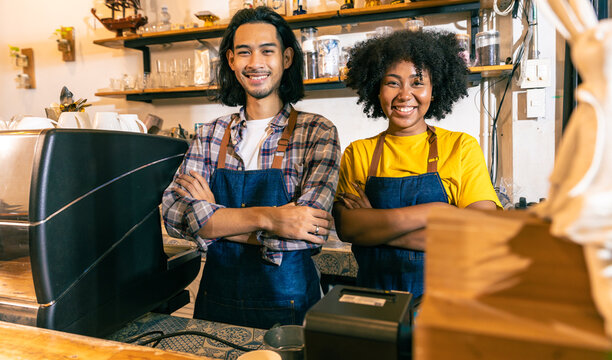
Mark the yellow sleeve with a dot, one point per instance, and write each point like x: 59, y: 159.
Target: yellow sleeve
x: 347, y: 172
x: 475, y: 181
x: 353, y: 168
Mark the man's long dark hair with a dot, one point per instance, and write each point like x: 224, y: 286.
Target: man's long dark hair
x: 291, y: 88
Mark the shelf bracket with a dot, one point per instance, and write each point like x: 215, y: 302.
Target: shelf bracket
x: 474, y: 29
x: 146, y: 58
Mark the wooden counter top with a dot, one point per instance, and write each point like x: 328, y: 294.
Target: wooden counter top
x: 500, y: 286
x: 26, y: 342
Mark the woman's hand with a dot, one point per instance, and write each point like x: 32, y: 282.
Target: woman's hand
x: 195, y: 187
x: 352, y: 201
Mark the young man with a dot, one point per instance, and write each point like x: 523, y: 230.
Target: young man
x: 272, y: 172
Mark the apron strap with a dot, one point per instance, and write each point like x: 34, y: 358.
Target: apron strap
x: 224, y: 142
x: 432, y: 157
x: 281, y: 148
x: 283, y: 142
x: 377, y: 154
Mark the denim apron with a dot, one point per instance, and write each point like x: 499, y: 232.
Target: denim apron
x: 387, y: 267
x: 238, y: 286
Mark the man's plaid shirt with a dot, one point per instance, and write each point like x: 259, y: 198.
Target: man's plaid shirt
x: 310, y: 169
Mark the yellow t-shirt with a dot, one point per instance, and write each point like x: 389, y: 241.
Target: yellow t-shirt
x: 461, y: 164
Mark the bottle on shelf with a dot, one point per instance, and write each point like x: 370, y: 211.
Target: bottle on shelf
x: 248, y: 4
x: 309, y: 47
x: 299, y: 7
x: 164, y: 20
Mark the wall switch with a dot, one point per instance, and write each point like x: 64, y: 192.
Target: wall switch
x: 536, y: 103
x: 535, y: 73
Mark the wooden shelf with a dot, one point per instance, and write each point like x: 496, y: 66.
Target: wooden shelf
x: 491, y: 71
x: 200, y: 91
x: 328, y: 18
x: 310, y: 85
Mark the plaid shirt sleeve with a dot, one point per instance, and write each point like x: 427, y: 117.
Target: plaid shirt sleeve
x: 185, y: 216
x: 315, y: 153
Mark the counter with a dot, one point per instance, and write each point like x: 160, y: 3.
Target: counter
x: 28, y: 342
x: 201, y: 346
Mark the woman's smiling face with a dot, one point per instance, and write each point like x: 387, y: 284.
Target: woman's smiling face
x: 405, y: 96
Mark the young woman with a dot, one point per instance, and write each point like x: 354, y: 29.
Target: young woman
x: 390, y: 182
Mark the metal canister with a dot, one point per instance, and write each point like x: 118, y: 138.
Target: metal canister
x: 329, y: 55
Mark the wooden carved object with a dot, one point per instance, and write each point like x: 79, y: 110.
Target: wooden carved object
x: 580, y: 197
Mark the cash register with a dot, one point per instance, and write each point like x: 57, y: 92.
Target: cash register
x: 81, y: 246
x: 360, y: 323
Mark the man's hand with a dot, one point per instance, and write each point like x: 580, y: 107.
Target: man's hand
x: 195, y: 187
x: 299, y: 222
x: 352, y: 201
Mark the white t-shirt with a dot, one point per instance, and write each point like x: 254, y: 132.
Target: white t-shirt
x: 254, y: 134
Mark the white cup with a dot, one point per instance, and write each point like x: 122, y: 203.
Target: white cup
x: 74, y: 120
x: 260, y: 355
x: 131, y: 122
x: 33, y: 123
x: 106, y: 120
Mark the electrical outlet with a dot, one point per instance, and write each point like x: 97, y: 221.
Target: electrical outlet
x: 536, y: 103
x: 535, y: 73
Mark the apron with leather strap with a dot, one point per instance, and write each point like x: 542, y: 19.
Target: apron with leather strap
x: 238, y: 286
x: 387, y: 267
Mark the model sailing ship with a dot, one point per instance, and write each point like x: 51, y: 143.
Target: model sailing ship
x: 119, y: 7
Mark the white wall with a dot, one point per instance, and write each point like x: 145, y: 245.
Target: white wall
x: 30, y: 23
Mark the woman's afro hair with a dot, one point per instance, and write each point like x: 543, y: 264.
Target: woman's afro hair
x: 437, y: 52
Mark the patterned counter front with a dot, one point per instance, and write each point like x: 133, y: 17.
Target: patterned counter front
x: 335, y: 258
x: 199, y: 345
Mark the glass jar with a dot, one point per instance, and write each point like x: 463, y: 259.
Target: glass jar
x: 414, y: 24
x: 463, y: 40
x: 328, y: 47
x: 487, y: 47
x: 344, y: 56
x: 383, y: 30
x: 280, y: 6
x: 309, y: 47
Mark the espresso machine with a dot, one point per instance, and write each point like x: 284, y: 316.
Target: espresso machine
x: 81, y: 246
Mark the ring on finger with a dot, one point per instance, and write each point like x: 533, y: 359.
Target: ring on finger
x: 316, y: 230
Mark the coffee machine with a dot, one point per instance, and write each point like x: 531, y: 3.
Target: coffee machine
x: 81, y: 247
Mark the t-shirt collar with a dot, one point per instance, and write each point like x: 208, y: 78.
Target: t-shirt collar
x: 280, y: 120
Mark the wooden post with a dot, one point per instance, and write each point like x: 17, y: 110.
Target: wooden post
x: 68, y: 52
x: 29, y: 70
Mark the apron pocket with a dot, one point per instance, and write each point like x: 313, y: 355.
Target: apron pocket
x: 261, y: 314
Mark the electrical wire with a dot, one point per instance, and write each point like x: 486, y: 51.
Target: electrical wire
x: 138, y: 337
x: 505, y: 12
x: 482, y: 104
x: 197, y: 333
x: 494, y: 141
x: 495, y: 153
